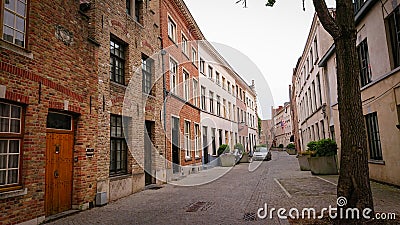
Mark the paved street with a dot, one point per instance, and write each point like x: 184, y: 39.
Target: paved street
x: 232, y: 199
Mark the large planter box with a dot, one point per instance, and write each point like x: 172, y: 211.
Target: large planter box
x: 291, y: 151
x: 303, y: 162
x: 245, y: 158
x: 227, y: 160
x: 326, y: 165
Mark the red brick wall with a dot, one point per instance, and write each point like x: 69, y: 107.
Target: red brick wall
x: 56, y: 72
x: 175, y: 106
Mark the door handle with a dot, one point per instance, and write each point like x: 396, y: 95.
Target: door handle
x: 56, y: 174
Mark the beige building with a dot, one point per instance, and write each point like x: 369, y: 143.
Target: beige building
x: 309, y: 88
x: 378, y: 49
x: 266, y: 135
x: 282, y: 125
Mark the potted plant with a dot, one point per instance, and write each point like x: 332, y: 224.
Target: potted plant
x: 303, y: 160
x: 291, y: 149
x: 225, y: 157
x: 323, y: 160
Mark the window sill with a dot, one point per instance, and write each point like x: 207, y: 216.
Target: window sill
x: 120, y: 176
x: 14, y: 193
x: 118, y: 84
x: 378, y: 162
x: 172, y: 40
x: 15, y: 48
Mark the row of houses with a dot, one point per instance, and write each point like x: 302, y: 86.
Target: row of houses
x: 100, y: 98
x: 314, y: 87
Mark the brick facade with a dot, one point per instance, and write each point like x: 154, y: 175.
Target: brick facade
x: 50, y: 74
x: 177, y: 11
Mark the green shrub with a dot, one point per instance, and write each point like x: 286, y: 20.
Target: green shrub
x: 290, y: 146
x: 280, y: 146
x: 326, y: 147
x: 312, y: 146
x: 223, y: 149
x: 239, y: 146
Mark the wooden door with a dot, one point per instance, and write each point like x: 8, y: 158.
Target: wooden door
x: 59, y: 162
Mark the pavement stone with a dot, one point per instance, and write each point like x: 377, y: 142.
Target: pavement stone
x: 232, y: 198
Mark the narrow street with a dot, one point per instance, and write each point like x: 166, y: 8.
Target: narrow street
x: 232, y: 199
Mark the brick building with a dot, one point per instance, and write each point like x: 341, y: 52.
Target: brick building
x: 127, y: 34
x: 48, y: 107
x: 179, y: 33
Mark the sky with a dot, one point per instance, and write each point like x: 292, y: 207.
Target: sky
x: 272, y: 39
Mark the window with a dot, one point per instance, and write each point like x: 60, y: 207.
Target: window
x: 187, y: 140
x: 173, y: 70
x: 316, y: 50
x: 117, y: 61
x: 213, y: 142
x: 223, y: 82
x: 195, y: 92
x: 186, y: 85
x: 332, y: 131
x: 203, y: 98
x: 10, y: 144
x: 202, y: 66
x: 311, y: 59
x: 220, y: 136
x: 374, y: 142
x: 230, y: 112
x: 197, y: 140
x: 217, y: 78
x: 185, y: 49
x: 323, y: 129
x: 210, y: 72
x: 224, y: 107
x: 218, y: 106
x: 147, y: 72
x: 59, y: 121
x: 229, y: 87
x: 14, y: 22
x: 118, y: 151
x: 234, y: 113
x: 128, y: 7
x: 358, y: 4
x: 394, y: 34
x: 365, y: 73
x: 171, y: 29
x: 194, y: 56
x: 314, y: 95
x: 137, y: 4
x: 211, y: 96
x: 319, y: 90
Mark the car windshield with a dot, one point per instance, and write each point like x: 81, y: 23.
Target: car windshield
x: 261, y: 150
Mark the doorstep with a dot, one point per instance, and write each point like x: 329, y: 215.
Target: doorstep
x: 60, y: 215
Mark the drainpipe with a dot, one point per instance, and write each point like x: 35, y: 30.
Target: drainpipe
x: 163, y: 53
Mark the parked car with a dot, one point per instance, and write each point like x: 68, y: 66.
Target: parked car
x: 262, y: 153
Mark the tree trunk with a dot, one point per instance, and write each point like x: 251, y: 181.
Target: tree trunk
x: 354, y: 173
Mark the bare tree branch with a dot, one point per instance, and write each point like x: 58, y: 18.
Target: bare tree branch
x: 328, y: 22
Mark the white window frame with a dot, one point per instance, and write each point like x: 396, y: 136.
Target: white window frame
x: 172, y: 28
x: 197, y: 140
x: 195, y: 92
x: 173, y: 75
x: 187, y: 140
x: 186, y: 84
x: 184, y: 45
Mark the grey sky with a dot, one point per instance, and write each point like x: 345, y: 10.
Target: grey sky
x: 273, y: 38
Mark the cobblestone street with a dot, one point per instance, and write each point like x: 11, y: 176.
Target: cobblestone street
x: 232, y: 199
